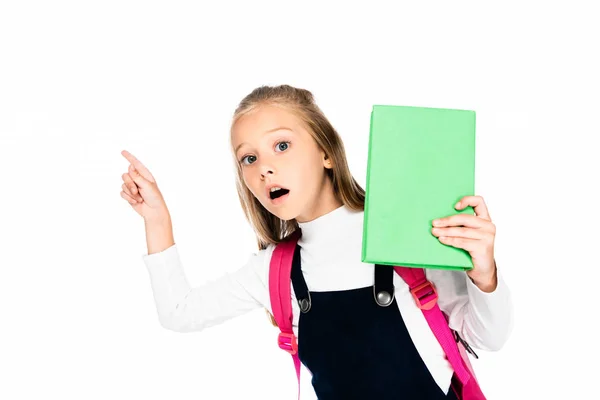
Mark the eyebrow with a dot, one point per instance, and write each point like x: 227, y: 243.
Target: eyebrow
x: 279, y: 128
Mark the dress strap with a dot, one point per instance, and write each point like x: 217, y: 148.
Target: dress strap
x: 383, y: 289
x: 300, y: 287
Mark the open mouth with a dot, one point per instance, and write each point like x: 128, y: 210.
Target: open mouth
x: 278, y: 192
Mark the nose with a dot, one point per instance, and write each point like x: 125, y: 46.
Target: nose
x: 266, y: 170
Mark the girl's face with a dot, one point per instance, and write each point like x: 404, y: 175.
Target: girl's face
x: 275, y: 150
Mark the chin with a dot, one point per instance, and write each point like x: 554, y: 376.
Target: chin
x: 285, y: 210
x: 283, y: 214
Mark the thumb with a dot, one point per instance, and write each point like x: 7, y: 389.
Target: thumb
x: 139, y: 180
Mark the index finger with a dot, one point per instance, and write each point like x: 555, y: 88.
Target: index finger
x: 137, y: 164
x: 478, y: 205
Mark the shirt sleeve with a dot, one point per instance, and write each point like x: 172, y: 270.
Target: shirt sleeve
x: 484, y: 320
x: 182, y: 308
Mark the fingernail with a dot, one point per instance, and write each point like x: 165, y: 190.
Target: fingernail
x: 436, y: 222
x: 457, y: 205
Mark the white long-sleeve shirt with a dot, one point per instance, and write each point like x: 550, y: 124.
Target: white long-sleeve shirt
x: 331, y: 260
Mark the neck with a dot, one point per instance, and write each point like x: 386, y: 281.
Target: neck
x: 323, y: 204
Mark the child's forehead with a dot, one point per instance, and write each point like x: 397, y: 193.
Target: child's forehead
x: 263, y: 121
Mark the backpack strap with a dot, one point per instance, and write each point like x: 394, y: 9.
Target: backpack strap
x: 280, y: 270
x: 426, y: 297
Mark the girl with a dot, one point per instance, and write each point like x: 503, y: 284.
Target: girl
x: 292, y: 174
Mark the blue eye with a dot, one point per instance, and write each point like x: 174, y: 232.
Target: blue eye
x: 285, y: 144
x: 248, y: 157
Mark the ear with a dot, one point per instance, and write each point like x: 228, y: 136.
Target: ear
x: 327, y: 161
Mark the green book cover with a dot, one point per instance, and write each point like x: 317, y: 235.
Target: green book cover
x: 421, y: 162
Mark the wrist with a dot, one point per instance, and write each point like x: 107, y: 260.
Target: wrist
x: 160, y: 219
x: 159, y: 234
x: 486, y: 283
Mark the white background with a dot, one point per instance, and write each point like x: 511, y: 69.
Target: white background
x: 81, y: 81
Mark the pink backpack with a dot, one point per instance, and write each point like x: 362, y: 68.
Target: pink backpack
x: 464, y: 382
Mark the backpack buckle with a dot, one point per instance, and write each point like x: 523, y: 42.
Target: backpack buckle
x: 425, y: 295
x: 287, y: 342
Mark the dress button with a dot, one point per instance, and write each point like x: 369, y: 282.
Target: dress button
x: 304, y: 305
x: 384, y: 298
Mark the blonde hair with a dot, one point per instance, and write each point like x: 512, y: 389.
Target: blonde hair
x: 269, y: 228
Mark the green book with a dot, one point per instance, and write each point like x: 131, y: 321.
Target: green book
x: 421, y: 162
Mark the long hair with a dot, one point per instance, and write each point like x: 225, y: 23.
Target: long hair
x: 269, y: 228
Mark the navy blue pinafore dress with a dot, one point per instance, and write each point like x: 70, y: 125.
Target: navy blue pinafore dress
x: 356, y: 345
